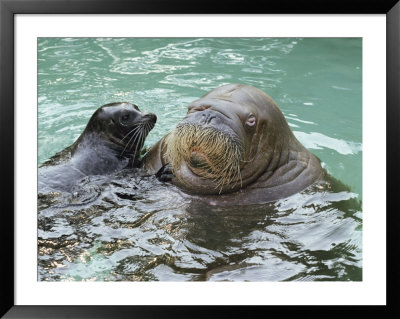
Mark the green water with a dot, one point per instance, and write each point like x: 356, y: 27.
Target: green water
x: 317, y: 83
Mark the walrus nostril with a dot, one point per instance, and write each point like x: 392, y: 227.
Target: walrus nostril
x: 206, y: 118
x: 210, y: 118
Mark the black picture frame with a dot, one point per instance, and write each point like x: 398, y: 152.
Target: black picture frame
x: 8, y: 9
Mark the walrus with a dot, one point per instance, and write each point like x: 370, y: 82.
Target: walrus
x: 235, y: 146
x: 112, y: 140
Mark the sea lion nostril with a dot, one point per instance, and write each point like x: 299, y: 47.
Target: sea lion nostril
x: 151, y: 117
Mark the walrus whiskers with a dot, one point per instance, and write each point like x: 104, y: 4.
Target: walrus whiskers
x: 221, y: 154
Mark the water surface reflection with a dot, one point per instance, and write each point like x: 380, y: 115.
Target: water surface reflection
x: 141, y: 229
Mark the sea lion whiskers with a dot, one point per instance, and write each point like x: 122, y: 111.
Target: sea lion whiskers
x: 141, y: 124
x: 139, y: 139
x: 139, y: 133
x: 135, y: 128
x: 134, y: 132
x: 140, y: 142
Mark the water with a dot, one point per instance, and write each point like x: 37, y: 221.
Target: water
x: 141, y: 229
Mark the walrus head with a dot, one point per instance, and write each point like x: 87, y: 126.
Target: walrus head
x: 209, y: 144
x: 228, y: 138
x: 120, y: 126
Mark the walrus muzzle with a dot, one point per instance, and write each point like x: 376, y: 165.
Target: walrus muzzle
x: 208, y: 152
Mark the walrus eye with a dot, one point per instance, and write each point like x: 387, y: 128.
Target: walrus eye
x: 251, y: 120
x: 200, y: 108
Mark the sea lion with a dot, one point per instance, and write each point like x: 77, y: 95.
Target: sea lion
x: 112, y: 140
x: 234, y: 146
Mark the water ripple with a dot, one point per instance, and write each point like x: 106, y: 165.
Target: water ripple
x: 315, y: 140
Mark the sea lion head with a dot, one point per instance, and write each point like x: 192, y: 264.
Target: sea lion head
x: 120, y: 126
x: 228, y: 138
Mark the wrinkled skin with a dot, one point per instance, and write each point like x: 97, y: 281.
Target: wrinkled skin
x: 112, y: 140
x: 273, y: 163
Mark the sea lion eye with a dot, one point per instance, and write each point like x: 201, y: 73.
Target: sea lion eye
x: 251, y: 120
x: 125, y: 117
